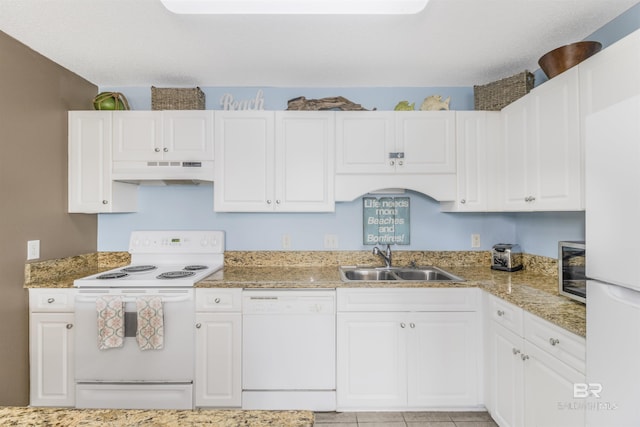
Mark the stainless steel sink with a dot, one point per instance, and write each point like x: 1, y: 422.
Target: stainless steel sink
x: 398, y: 274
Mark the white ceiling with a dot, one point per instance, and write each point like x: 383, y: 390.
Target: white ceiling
x: 450, y: 43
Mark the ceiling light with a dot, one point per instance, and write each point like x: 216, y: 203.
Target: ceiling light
x: 296, y: 7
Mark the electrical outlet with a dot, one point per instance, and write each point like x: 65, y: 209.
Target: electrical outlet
x: 475, y: 240
x: 286, y: 241
x: 33, y: 249
x: 331, y: 241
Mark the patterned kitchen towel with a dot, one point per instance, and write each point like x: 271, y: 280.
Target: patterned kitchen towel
x: 110, y: 322
x: 150, y: 333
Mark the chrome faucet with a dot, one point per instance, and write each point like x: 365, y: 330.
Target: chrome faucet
x: 387, y: 257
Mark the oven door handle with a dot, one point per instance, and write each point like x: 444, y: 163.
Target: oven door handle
x: 165, y: 298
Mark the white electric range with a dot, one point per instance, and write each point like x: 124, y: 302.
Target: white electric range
x: 164, y: 265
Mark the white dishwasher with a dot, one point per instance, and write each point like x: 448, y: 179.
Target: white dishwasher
x: 289, y: 349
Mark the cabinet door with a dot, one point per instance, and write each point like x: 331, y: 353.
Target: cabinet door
x: 51, y: 344
x: 506, y: 376
x: 137, y: 135
x: 91, y: 189
x: 218, y: 379
x: 549, y: 391
x: 244, y: 152
x: 513, y: 156
x: 364, y: 140
x: 304, y: 162
x: 371, y: 360
x: 427, y: 140
x: 610, y: 76
x: 444, y: 359
x: 555, y: 157
x: 89, y: 161
x: 187, y: 135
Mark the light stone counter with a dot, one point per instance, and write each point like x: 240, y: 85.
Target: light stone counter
x: 534, y: 288
x: 65, y: 417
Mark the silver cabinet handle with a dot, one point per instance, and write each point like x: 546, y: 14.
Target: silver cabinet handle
x: 392, y: 162
x: 412, y: 325
x: 500, y: 313
x: 166, y: 150
x: 400, y: 162
x: 524, y: 357
x: 515, y: 350
x: 217, y: 300
x: 268, y: 202
x: 532, y: 199
x: 402, y: 325
x: 69, y: 325
x: 157, y: 150
x: 198, y: 325
x: 554, y: 341
x: 277, y: 202
x: 463, y: 201
x: 51, y: 300
x: 105, y: 202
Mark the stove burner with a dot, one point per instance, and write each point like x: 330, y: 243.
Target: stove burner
x: 116, y: 275
x: 138, y: 268
x: 195, y: 267
x: 175, y: 274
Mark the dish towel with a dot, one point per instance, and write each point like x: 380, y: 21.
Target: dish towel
x: 110, y: 322
x: 150, y: 333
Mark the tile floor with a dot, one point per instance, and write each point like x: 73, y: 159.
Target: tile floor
x: 403, y: 419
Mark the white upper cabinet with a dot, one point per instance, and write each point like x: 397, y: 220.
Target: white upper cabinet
x: 364, y: 140
x: 395, y: 149
x: 268, y: 161
x: 395, y: 142
x: 611, y: 75
x: 541, y: 151
x: 477, y: 138
x: 162, y: 135
x: 91, y: 188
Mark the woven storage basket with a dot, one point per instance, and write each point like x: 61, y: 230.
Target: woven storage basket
x: 177, y: 98
x: 495, y: 96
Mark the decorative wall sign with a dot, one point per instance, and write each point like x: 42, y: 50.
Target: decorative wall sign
x: 257, y: 103
x: 386, y: 221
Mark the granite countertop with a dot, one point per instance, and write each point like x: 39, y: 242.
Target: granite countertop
x: 533, y: 289
x: 62, y: 417
x: 534, y: 292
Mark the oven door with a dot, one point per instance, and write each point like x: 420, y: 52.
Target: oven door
x: 173, y: 363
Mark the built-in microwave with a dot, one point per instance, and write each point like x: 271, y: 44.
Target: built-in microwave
x: 572, y: 280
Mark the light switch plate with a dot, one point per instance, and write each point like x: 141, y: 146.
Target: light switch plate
x: 33, y: 249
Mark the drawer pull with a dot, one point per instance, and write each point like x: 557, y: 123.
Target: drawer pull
x: 217, y: 300
x: 51, y: 300
x: 524, y: 357
x: 69, y: 325
x: 413, y: 325
x: 500, y: 313
x: 554, y: 341
x: 402, y: 325
x: 198, y: 325
x: 515, y: 351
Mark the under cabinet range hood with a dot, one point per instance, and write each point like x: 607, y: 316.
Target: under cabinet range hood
x: 163, y: 172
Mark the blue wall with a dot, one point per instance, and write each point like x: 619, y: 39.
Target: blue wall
x: 191, y: 207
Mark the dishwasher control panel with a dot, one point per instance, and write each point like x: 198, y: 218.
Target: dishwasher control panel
x: 289, y: 302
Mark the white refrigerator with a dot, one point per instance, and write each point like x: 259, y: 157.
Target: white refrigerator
x: 612, y: 196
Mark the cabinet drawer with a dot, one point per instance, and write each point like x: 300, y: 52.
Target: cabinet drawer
x: 224, y: 300
x: 506, y: 314
x: 553, y: 339
x: 51, y: 300
x: 432, y: 299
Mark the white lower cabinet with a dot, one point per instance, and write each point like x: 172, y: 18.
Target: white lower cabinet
x: 420, y: 350
x: 218, y: 348
x: 531, y: 378
x: 51, y: 347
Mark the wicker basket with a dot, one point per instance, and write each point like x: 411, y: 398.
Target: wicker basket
x: 495, y: 96
x: 177, y: 98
